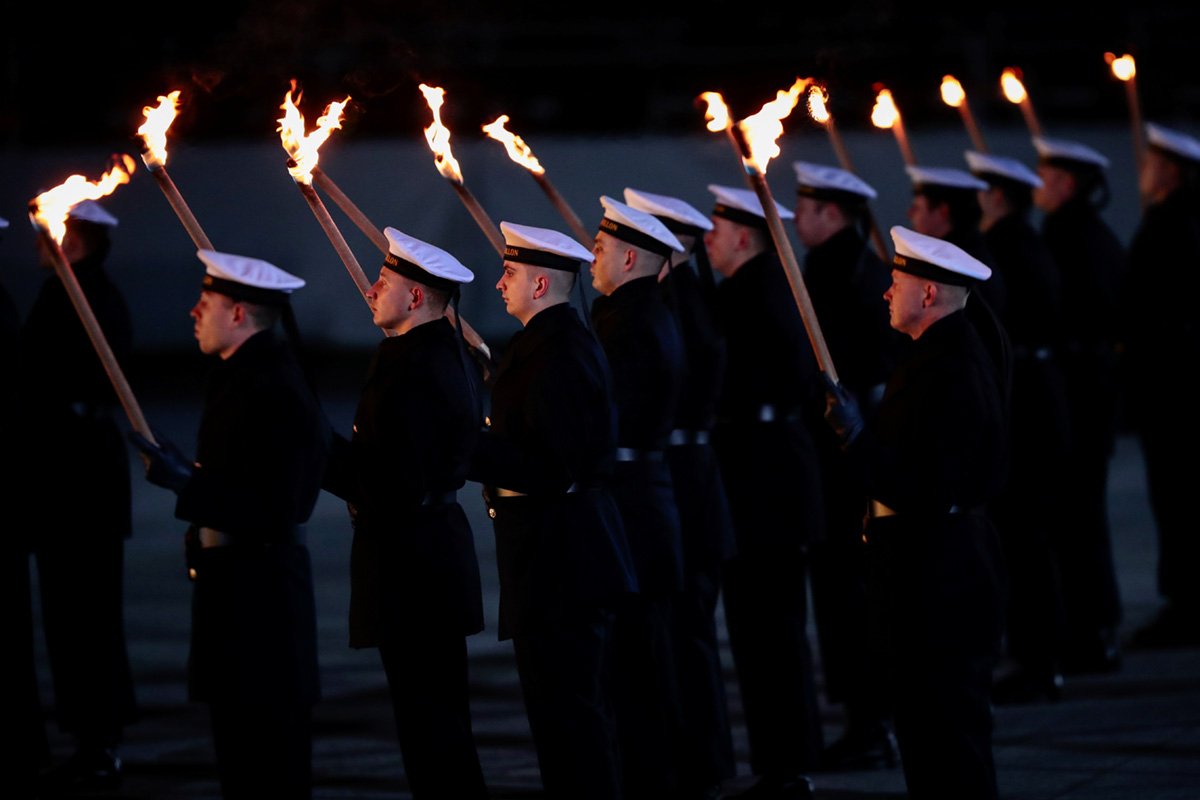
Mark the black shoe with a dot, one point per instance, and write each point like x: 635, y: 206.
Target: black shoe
x: 861, y: 750
x: 1097, y: 654
x: 93, y: 769
x: 1027, y: 686
x: 793, y: 787
x: 1170, y: 628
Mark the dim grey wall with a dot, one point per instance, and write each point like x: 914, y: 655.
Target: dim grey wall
x: 247, y: 203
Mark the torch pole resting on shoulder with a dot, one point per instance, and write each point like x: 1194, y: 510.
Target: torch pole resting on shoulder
x: 62, y: 267
x: 791, y: 268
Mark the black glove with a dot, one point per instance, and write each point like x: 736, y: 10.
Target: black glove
x: 165, y: 465
x: 842, y: 412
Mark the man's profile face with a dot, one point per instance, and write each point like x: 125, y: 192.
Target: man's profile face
x: 389, y: 299
x: 722, y: 246
x: 516, y: 287
x: 905, y: 299
x: 214, y: 323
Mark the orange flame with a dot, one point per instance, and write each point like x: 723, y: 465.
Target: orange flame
x: 1123, y: 67
x: 302, y: 147
x: 761, y: 130
x: 50, y: 208
x: 717, y: 112
x: 518, y: 151
x: 952, y: 92
x: 884, y: 114
x: 817, y: 99
x: 438, y: 135
x: 154, y: 130
x: 1010, y: 82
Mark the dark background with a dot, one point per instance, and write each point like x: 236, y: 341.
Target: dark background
x: 83, y: 76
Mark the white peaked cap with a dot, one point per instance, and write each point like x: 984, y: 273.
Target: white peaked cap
x: 935, y: 259
x: 1071, y: 151
x: 543, y: 247
x: 637, y: 227
x: 944, y: 176
x: 676, y: 214
x: 825, y: 182
x: 423, y: 262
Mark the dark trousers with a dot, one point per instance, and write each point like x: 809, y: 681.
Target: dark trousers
x: 262, y: 750
x: 706, y: 742
x: 427, y: 681
x: 645, y: 697
x: 561, y: 665
x: 944, y: 726
x: 25, y: 748
x: 1169, y: 449
x: 83, y: 617
x: 1083, y: 549
x: 850, y: 646
x: 1026, y: 519
x: 766, y: 608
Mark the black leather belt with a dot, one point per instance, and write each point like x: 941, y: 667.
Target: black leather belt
x: 878, y: 509
x: 681, y: 437
x: 211, y: 537
x: 633, y: 454
x: 501, y: 492
x: 439, y: 498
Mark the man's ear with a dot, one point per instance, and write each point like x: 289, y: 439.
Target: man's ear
x: 418, y: 298
x: 239, y: 313
x: 541, y: 285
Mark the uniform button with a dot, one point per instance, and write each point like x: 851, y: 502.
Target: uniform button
x: 492, y: 513
x: 354, y: 428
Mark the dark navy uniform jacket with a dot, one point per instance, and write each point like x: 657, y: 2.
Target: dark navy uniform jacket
x: 763, y: 435
x: 413, y: 563
x: 68, y: 406
x: 261, y: 452
x: 561, y: 547
x: 939, y: 443
x: 645, y: 354
x: 699, y: 491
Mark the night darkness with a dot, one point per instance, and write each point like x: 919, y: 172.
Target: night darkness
x: 83, y: 76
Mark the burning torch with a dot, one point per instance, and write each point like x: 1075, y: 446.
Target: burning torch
x: 519, y: 152
x: 885, y: 115
x: 154, y: 155
x: 755, y: 137
x: 1014, y: 91
x: 818, y: 110
x: 954, y: 96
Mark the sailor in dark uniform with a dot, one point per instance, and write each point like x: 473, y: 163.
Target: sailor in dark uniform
x: 706, y: 745
x: 644, y: 349
x: 1032, y: 507
x: 564, y: 563
x: 1164, y: 339
x: 764, y: 444
x: 932, y: 458
x: 414, y: 577
x: 1092, y: 265
x: 28, y: 748
x: 845, y: 279
x: 945, y: 205
x: 260, y: 454
x: 66, y: 408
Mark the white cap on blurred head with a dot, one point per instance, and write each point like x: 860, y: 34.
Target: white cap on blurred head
x: 822, y: 182
x: 91, y: 211
x: 945, y: 177
x: 637, y: 228
x: 1174, y: 143
x: 543, y: 247
x: 424, y: 262
x: 244, y: 278
x: 679, y: 217
x: 985, y: 166
x: 1063, y: 150
x: 935, y: 259
x: 743, y: 206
